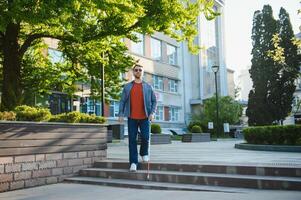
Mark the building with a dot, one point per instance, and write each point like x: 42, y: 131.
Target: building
x: 159, y: 55
x: 231, y: 83
x: 198, y: 76
x: 245, y: 84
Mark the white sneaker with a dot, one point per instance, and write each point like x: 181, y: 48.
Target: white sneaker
x: 133, y: 167
x: 145, y: 158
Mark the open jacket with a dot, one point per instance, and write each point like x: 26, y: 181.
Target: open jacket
x: 149, y: 98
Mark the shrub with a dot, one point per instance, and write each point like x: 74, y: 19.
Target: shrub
x: 8, y: 116
x: 278, y: 135
x: 194, y: 123
x: 77, y: 117
x: 196, y: 129
x: 86, y: 118
x: 156, y: 128
x: 27, y: 113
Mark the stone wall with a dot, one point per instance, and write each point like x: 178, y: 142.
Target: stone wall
x: 34, y: 154
x: 18, y: 172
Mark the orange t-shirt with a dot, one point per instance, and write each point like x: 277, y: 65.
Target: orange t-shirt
x: 137, y: 102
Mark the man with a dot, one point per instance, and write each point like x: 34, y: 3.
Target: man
x: 138, y: 104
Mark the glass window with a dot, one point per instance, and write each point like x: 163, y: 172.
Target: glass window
x: 171, y: 54
x: 114, y: 108
x: 173, y: 85
x: 138, y: 47
x: 156, y: 49
x: 159, y: 113
x: 158, y: 82
x: 174, y: 114
x: 55, y: 56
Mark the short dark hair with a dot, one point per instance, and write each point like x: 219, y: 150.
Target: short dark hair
x: 137, y: 65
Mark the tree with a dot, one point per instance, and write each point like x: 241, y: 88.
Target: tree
x: 89, y: 34
x: 275, y: 64
x: 263, y: 69
x: 282, y: 91
x: 230, y: 110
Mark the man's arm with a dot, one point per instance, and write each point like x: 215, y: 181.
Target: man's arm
x: 121, y: 105
x: 153, y: 102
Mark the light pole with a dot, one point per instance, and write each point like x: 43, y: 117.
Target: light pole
x: 215, y: 69
x: 103, y: 87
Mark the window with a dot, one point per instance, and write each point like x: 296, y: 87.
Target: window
x: 158, y: 82
x: 114, y: 108
x: 173, y: 85
x: 55, y: 56
x: 159, y: 113
x: 156, y: 49
x: 174, y: 114
x: 171, y: 54
x: 138, y: 47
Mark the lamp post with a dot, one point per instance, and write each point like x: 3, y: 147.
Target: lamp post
x: 215, y: 69
x: 103, y: 87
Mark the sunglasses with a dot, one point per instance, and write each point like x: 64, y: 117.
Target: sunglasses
x: 138, y: 70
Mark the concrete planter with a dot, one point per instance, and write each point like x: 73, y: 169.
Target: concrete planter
x: 158, y: 139
x: 196, y: 137
x: 40, y: 153
x: 117, y: 131
x: 262, y: 147
x: 22, y: 138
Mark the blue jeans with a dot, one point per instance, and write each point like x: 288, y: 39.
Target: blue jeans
x: 144, y: 126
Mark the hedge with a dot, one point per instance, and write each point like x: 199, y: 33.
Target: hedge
x: 277, y: 135
x: 156, y: 129
x: 28, y: 113
x: 8, y: 116
x: 77, y: 117
x: 196, y: 129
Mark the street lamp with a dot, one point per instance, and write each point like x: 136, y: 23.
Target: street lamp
x: 102, y: 71
x: 215, y: 69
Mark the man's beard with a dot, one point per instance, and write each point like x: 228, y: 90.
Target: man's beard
x: 137, y: 76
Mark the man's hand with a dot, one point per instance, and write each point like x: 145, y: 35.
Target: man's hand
x: 121, y: 120
x: 151, y: 117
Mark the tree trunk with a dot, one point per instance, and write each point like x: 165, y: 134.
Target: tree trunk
x: 11, y: 87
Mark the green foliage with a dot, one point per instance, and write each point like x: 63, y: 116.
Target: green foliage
x: 193, y: 123
x: 229, y: 110
x: 277, y: 135
x: 27, y: 113
x: 90, y: 34
x: 196, y: 129
x: 8, y: 116
x: 86, y: 118
x: 156, y: 128
x: 275, y: 67
x: 77, y: 117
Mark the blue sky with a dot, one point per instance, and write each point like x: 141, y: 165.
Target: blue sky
x: 238, y: 27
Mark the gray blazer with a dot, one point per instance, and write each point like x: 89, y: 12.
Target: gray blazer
x: 149, y: 98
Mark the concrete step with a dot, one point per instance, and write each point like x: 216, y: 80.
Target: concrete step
x: 261, y: 170
x: 149, y: 185
x: 199, y: 178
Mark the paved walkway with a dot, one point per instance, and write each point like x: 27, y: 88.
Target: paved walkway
x: 64, y: 191
x: 222, y: 151
x: 214, y: 152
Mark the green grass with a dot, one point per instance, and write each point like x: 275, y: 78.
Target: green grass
x: 176, y: 137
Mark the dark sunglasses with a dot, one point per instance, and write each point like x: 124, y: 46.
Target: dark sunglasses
x: 136, y: 70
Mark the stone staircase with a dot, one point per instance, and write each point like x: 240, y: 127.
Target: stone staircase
x: 191, y: 177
